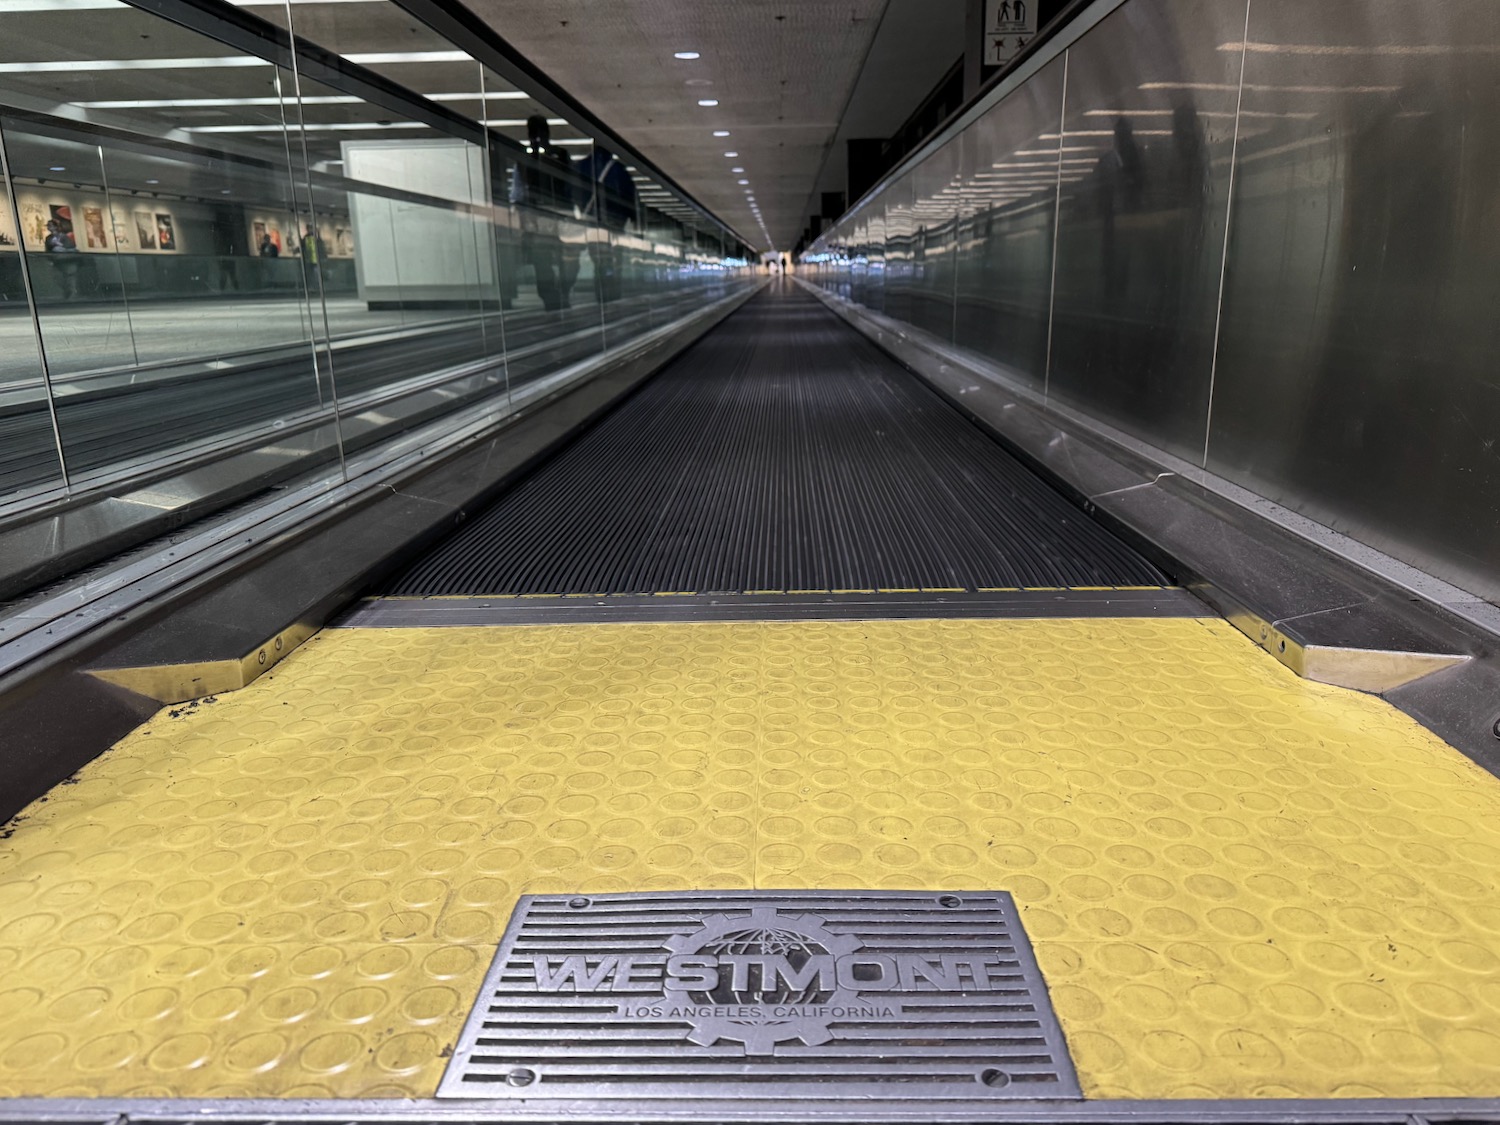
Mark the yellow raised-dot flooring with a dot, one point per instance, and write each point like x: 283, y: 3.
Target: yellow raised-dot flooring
x: 1239, y: 884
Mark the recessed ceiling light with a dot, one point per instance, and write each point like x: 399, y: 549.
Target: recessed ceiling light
x: 153, y: 181
x: 57, y: 168
x: 721, y: 132
x: 731, y: 155
x: 697, y: 82
x: 710, y: 102
x: 742, y: 181
x: 685, y: 54
x: 736, y: 169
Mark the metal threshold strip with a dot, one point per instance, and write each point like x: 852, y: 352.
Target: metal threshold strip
x: 841, y: 605
x: 867, y: 997
x: 394, y: 1111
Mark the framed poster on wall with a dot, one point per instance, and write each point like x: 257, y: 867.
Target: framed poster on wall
x: 165, y: 238
x: 122, y: 230
x: 93, y: 229
x: 62, y: 215
x: 145, y: 229
x: 34, y: 224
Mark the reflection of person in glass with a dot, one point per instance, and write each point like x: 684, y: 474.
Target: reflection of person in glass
x: 1122, y: 181
x: 1392, y: 389
x: 542, y: 185
x: 1186, y: 248
x: 268, y: 248
x: 60, y: 246
x: 312, y: 255
x: 609, y: 199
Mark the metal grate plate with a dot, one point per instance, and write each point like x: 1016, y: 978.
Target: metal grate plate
x: 751, y: 994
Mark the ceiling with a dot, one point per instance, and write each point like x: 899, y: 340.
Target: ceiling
x: 106, y: 63
x: 782, y: 72
x: 917, y: 43
x: 785, y: 76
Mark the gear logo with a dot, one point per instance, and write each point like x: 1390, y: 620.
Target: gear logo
x: 767, y: 976
x: 774, y: 983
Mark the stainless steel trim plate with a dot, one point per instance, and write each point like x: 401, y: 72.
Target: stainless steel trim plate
x: 861, y: 995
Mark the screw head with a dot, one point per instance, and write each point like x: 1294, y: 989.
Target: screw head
x: 261, y: 658
x: 278, y: 644
x: 994, y: 1078
x: 578, y: 903
x: 952, y: 902
x: 521, y: 1076
x: 1495, y: 730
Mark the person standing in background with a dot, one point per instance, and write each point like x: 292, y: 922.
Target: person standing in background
x: 60, y: 247
x: 609, y: 200
x: 542, y: 186
x: 312, y: 257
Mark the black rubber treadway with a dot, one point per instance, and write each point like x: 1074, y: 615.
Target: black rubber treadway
x: 783, y: 451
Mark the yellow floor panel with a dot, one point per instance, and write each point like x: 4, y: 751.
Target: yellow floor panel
x: 1238, y: 883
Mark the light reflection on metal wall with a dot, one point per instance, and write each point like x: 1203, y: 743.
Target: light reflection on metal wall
x: 935, y: 187
x: 1357, y: 376
x: 1006, y: 232
x: 898, y: 249
x: 1140, y: 233
x: 1353, y: 378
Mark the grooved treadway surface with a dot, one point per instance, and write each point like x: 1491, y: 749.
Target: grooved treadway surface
x: 782, y: 452
x: 1237, y: 883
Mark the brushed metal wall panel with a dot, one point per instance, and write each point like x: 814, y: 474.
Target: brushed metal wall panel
x: 1007, y: 211
x: 1351, y: 301
x: 869, y: 256
x: 1356, y: 379
x: 1148, y: 129
x: 899, y: 230
x: 935, y: 192
x: 33, y: 457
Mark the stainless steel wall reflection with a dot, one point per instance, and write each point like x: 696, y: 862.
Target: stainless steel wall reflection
x: 1322, y: 333
x: 899, y: 231
x: 869, y: 256
x: 1357, y: 374
x: 935, y: 192
x: 1007, y: 216
x: 1147, y: 131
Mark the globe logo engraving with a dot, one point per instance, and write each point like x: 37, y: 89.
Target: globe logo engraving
x: 745, y: 1006
x: 796, y: 947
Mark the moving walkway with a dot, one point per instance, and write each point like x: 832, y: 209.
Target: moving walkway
x: 782, y: 661
x: 1036, y: 663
